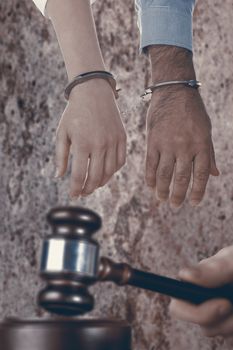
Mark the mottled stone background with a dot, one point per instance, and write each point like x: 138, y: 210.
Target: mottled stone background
x: 136, y: 229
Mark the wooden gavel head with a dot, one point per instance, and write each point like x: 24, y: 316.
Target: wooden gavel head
x: 69, y: 261
x: 69, y: 264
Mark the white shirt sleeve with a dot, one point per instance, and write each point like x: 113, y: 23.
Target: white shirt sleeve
x: 41, y: 4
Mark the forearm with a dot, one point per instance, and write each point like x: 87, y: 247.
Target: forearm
x: 166, y: 35
x: 75, y: 29
x: 170, y: 63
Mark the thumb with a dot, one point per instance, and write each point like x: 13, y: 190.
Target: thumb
x: 192, y: 274
x: 213, y: 167
x: 212, y: 272
x: 62, y: 153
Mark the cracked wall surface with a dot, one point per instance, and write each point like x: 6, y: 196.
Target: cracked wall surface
x: 136, y: 228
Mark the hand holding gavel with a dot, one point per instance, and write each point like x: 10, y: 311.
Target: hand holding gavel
x: 70, y: 263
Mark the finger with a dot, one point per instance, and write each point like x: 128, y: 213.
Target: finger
x: 213, y: 167
x: 224, y: 253
x: 212, y: 272
x: 121, y: 154
x: 201, y: 171
x: 222, y: 327
x: 110, y: 165
x: 78, y: 172
x: 152, y: 161
x: 164, y: 176
x: 95, y: 172
x: 62, y: 153
x: 182, y: 177
x: 205, y: 314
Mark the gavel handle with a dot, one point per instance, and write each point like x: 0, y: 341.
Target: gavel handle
x: 124, y: 274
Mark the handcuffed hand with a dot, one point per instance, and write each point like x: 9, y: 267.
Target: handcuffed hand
x: 179, y: 144
x: 91, y: 128
x: 215, y: 316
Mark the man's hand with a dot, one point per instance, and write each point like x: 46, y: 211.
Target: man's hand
x: 179, y: 142
x: 91, y: 127
x: 215, y: 316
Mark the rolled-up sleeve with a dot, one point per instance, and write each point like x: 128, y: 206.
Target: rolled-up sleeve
x: 41, y: 4
x: 165, y: 22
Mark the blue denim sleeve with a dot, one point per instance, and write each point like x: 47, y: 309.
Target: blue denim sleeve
x: 167, y: 22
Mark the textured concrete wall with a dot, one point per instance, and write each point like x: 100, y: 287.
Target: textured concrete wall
x: 136, y: 229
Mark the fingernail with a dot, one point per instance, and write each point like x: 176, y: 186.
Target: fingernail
x: 225, y: 308
x: 175, y: 205
x: 194, y: 203
x: 161, y: 199
x: 84, y: 194
x: 73, y: 197
x: 186, y: 272
x: 56, y: 173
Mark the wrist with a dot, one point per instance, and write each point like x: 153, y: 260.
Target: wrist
x: 94, y: 88
x: 76, y: 68
x: 171, y: 63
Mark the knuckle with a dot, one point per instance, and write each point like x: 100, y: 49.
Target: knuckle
x: 150, y: 158
x: 150, y: 168
x: 183, y: 142
x: 182, y: 178
x: 163, y: 194
x: 150, y: 178
x: 101, y: 147
x: 77, y: 178
x: 197, y: 194
x: 204, y: 139
x: 165, y: 173
x: 211, y: 316
x: 150, y: 172
x: 202, y: 175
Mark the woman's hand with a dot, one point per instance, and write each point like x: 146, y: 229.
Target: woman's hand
x: 215, y: 316
x: 91, y: 128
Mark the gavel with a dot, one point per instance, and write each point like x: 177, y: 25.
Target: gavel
x: 71, y: 262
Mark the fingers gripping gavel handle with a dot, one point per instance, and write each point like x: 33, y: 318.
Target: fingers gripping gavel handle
x: 124, y: 274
